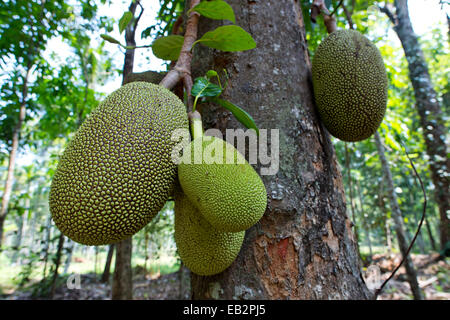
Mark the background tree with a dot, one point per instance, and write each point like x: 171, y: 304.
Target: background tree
x: 23, y: 41
x: 397, y: 215
x: 431, y: 117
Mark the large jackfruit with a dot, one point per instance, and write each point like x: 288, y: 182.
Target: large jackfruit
x: 350, y: 85
x: 222, y: 184
x: 117, y: 173
x: 202, y: 248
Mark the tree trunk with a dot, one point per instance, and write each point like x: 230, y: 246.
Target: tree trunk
x: 431, y: 116
x: 70, y: 249
x: 388, y: 236
x: 57, y: 263
x: 15, y: 139
x: 46, y: 242
x: 303, y: 247
x: 369, y: 243
x: 122, y: 288
x: 106, y: 271
x: 420, y: 242
x: 184, y: 288
x: 430, y: 234
x: 398, y: 220
x: 145, y: 252
x: 18, y: 239
x: 365, y: 225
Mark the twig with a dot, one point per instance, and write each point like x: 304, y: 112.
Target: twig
x: 130, y: 41
x: 348, y: 15
x: 337, y: 7
x: 182, y: 69
x: 139, y: 17
x: 318, y: 7
x: 389, y: 13
x: 378, y: 291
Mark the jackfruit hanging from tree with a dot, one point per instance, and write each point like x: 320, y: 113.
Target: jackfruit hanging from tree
x: 218, y: 180
x: 202, y: 248
x: 350, y: 85
x: 117, y: 172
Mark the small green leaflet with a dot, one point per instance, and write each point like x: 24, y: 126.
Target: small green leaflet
x: 168, y: 48
x: 203, y: 88
x: 124, y: 21
x: 109, y: 39
x: 217, y: 10
x: 241, y: 115
x: 228, y: 38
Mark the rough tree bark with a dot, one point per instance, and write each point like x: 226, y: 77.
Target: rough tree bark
x: 122, y: 286
x: 15, y: 139
x: 431, y: 115
x: 303, y: 247
x: 398, y: 221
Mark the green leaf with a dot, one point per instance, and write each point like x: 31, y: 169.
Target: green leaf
x: 168, y: 48
x: 228, y: 38
x: 125, y: 20
x: 241, y: 115
x: 109, y: 39
x: 217, y: 10
x: 203, y: 88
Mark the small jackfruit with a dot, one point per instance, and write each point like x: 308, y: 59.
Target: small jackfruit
x: 222, y: 184
x: 202, y: 248
x: 117, y: 173
x: 350, y: 85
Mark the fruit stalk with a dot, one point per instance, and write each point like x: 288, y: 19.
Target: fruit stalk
x: 182, y: 69
x: 196, y: 124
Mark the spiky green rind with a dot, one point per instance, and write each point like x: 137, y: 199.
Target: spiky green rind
x: 203, y: 249
x: 350, y: 85
x: 116, y: 173
x: 229, y: 194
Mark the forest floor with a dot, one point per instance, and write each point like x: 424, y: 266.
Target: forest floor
x: 433, y: 276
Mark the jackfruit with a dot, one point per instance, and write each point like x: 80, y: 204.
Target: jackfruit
x: 117, y: 173
x: 222, y: 184
x: 202, y: 248
x: 350, y: 85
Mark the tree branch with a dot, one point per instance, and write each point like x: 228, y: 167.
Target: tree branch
x: 348, y: 15
x: 130, y: 41
x: 389, y: 13
x: 318, y: 7
x: 337, y: 7
x: 138, y: 18
x: 182, y: 69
